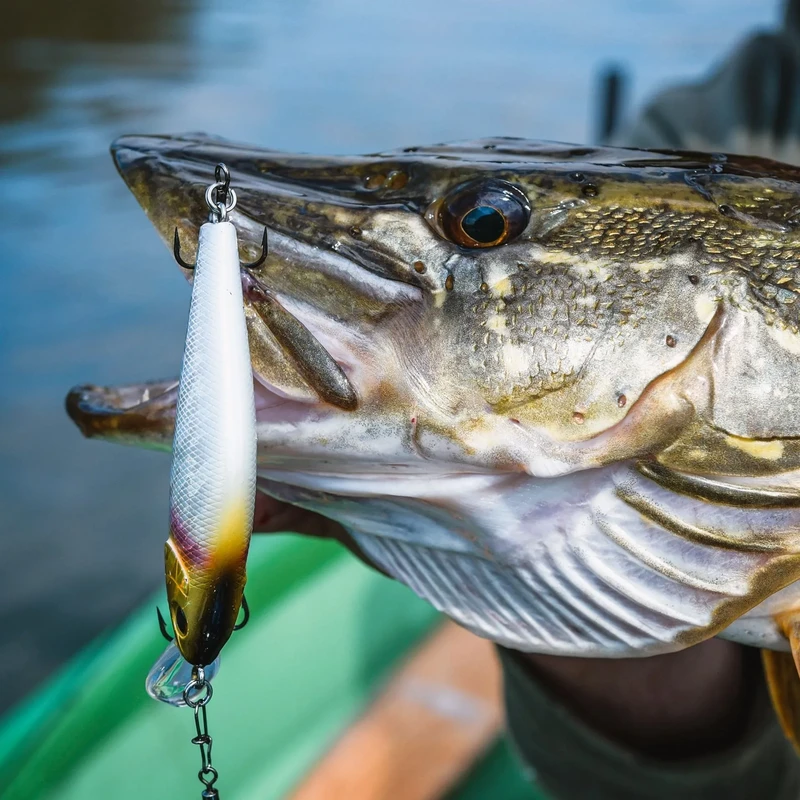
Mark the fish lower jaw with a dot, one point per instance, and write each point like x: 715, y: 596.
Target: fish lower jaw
x: 602, y: 563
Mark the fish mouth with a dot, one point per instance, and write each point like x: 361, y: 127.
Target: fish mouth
x: 293, y: 366
x: 143, y: 414
x: 314, y: 307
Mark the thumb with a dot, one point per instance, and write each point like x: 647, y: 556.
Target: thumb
x: 276, y: 516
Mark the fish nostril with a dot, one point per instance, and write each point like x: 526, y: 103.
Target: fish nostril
x: 181, y: 623
x: 374, y: 181
x: 396, y: 179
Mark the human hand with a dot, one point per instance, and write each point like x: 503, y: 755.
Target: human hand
x: 680, y: 705
x: 275, y: 516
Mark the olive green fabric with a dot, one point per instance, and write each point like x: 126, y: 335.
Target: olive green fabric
x: 572, y: 762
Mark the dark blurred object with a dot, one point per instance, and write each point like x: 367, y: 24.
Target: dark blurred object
x: 750, y: 104
x: 610, y: 94
x: 37, y: 41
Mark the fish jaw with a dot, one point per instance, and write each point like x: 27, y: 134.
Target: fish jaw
x: 635, y: 567
x: 599, y: 563
x: 141, y: 414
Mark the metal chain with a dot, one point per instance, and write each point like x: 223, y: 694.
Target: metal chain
x: 220, y: 198
x: 196, y: 695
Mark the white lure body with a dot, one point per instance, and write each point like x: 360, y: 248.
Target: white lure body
x: 212, y: 485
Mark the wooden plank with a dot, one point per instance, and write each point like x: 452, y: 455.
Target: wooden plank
x: 438, y: 714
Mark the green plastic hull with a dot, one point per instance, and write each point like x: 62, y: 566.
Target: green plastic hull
x: 325, y: 632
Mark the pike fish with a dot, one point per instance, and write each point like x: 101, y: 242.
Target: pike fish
x: 553, y: 389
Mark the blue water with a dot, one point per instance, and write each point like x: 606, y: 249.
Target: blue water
x: 87, y: 293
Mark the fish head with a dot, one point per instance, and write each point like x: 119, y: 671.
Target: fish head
x: 457, y: 299
x: 563, y: 377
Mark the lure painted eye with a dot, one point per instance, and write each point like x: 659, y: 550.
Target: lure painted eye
x: 483, y: 214
x: 181, y: 623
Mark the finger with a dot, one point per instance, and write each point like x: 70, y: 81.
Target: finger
x: 275, y: 516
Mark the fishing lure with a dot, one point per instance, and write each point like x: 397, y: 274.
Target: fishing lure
x: 213, y: 478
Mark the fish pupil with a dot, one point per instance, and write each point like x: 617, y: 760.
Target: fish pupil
x: 484, y: 224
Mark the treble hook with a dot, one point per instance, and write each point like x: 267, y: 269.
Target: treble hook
x: 162, y: 625
x: 264, y: 251
x: 246, y: 619
x: 176, y: 251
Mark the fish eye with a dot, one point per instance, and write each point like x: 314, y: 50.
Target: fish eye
x: 181, y: 623
x: 483, y: 214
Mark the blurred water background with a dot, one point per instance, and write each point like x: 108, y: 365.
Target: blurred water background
x: 88, y: 293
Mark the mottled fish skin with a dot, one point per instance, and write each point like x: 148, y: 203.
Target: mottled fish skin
x: 581, y: 438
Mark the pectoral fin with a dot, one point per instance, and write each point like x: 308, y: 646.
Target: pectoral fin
x: 782, y: 671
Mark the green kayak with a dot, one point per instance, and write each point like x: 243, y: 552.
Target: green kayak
x: 325, y: 632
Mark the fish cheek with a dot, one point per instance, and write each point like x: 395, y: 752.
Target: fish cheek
x: 756, y: 393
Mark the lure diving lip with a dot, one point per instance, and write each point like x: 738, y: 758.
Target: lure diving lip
x: 169, y: 676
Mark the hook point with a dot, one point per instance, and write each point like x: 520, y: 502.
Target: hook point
x: 162, y: 625
x: 176, y: 251
x: 246, y: 619
x: 264, y: 251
